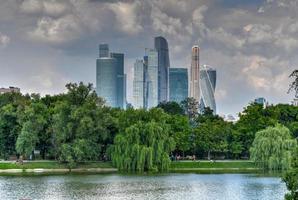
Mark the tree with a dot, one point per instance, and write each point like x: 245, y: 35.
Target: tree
x: 190, y: 107
x: 272, y: 148
x: 171, y: 107
x: 291, y: 178
x: 254, y: 118
x: 143, y: 147
x: 79, y: 125
x: 211, y: 137
x: 294, y: 84
x: 11, y: 110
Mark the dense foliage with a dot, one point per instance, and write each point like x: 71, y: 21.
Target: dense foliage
x: 143, y: 147
x: 273, y: 148
x: 77, y: 126
x: 291, y: 178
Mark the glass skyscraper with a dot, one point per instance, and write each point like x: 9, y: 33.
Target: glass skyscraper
x: 161, y: 46
x: 121, y: 79
x: 178, y: 84
x: 195, y: 73
x: 207, y: 84
x: 139, y: 84
x: 151, y: 61
x: 110, y: 77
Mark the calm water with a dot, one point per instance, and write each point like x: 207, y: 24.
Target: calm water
x: 171, y: 186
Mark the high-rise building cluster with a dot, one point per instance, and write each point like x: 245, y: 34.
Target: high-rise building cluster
x: 154, y: 81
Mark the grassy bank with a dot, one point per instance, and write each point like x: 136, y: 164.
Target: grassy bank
x: 214, y: 167
x: 53, y: 165
x: 176, y: 167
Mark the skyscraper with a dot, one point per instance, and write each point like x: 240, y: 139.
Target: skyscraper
x: 110, y: 77
x: 195, y: 73
x: 151, y: 60
x: 178, y: 81
x: 139, y: 84
x: 161, y: 46
x: 208, y: 84
x: 121, y: 79
x: 103, y: 50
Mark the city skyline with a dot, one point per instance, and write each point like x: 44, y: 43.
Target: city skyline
x: 253, y: 45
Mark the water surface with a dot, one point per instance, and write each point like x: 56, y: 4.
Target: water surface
x: 169, y: 186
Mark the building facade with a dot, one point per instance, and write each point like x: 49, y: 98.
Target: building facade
x: 207, y: 84
x: 110, y: 77
x: 262, y: 101
x: 121, y: 79
x: 139, y: 84
x: 178, y: 81
x: 151, y: 65
x: 161, y: 46
x: 195, y: 73
x: 10, y: 89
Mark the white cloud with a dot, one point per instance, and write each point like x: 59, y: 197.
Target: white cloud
x: 4, y: 40
x: 126, y: 15
x: 56, y: 31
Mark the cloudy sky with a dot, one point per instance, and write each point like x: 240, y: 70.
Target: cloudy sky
x: 253, y: 44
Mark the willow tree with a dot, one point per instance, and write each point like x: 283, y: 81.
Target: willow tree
x: 272, y: 148
x: 143, y: 147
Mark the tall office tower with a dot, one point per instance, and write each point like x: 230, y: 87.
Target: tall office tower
x: 138, y: 84
x: 110, y: 77
x: 207, y: 84
x: 151, y: 78
x: 103, y: 50
x: 121, y: 79
x: 195, y: 73
x: 106, y: 80
x: 161, y: 46
x: 178, y: 82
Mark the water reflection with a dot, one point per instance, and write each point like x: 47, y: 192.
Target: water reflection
x: 171, y: 186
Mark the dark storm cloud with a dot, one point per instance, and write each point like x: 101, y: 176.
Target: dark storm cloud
x: 252, y: 44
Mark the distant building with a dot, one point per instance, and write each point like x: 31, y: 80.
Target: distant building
x: 139, y: 84
x: 195, y: 73
x: 178, y: 84
x: 10, y: 89
x: 262, y: 101
x: 229, y: 118
x: 207, y: 88
x: 295, y: 102
x: 104, y: 50
x: 151, y: 66
x: 161, y: 46
x: 121, y: 79
x: 110, y: 77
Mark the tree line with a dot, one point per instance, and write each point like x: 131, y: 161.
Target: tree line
x: 76, y: 126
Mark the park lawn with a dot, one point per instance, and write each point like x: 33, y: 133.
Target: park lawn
x: 204, y: 164
x: 53, y: 165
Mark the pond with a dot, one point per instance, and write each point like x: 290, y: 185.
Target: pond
x: 167, y: 186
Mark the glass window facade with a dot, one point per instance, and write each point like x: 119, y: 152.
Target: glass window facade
x: 178, y: 84
x: 152, y: 78
x: 161, y: 46
x: 138, y: 84
x: 207, y: 84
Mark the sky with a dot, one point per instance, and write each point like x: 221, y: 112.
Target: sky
x: 253, y: 44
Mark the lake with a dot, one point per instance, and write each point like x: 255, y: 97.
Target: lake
x: 167, y: 186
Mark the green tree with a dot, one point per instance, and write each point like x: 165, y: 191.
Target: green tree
x: 291, y: 178
x: 190, y: 107
x: 254, y: 118
x: 143, y: 147
x: 171, y: 107
x: 79, y: 125
x: 12, y: 106
x: 272, y: 148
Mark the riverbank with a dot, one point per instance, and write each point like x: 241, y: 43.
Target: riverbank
x: 214, y: 167
x: 54, y: 167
